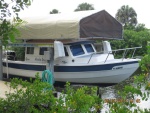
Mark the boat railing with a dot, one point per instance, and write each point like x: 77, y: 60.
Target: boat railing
x: 123, y: 56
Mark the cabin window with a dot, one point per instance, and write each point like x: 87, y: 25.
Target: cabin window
x: 30, y: 50
x: 76, y: 50
x: 66, y: 52
x: 42, y: 49
x: 11, y: 53
x: 89, y: 48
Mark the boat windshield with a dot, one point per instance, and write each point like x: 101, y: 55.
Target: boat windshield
x: 89, y: 48
x: 77, y: 50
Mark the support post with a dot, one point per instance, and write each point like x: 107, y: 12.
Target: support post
x: 1, y: 63
x: 99, y: 93
x: 100, y: 96
x: 49, y: 56
x: 51, y: 62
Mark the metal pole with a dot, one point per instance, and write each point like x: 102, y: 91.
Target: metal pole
x: 1, y: 64
x: 99, y: 94
x: 49, y: 56
x: 51, y: 62
x: 7, y: 63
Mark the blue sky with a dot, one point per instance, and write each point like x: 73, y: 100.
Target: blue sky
x: 43, y: 7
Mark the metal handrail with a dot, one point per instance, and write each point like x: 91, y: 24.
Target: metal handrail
x: 124, y: 54
x: 126, y: 49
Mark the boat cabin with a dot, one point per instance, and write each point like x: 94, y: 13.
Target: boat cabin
x: 75, y: 52
x: 75, y: 26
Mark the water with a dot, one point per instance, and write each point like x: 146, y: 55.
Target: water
x: 111, y: 93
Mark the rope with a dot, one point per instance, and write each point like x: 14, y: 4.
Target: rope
x: 49, y: 79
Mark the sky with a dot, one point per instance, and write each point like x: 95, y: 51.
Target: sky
x: 43, y: 7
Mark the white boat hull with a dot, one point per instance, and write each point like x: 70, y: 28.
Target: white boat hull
x: 113, y: 75
x: 97, y: 77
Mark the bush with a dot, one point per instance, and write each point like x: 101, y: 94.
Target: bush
x: 36, y: 97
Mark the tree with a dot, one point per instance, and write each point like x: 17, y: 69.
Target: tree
x: 140, y: 27
x: 37, y: 97
x: 8, y: 30
x: 127, y: 16
x: 133, y: 38
x: 54, y: 11
x: 84, y: 7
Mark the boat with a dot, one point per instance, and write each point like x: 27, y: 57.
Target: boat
x: 75, y: 60
x: 78, y: 62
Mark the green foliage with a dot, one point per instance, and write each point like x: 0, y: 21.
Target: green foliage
x: 20, y: 53
x: 84, y: 7
x: 134, y: 92
x: 127, y: 16
x: 133, y: 38
x: 80, y: 101
x: 134, y: 34
x: 145, y: 62
x: 130, y: 96
x: 26, y: 96
x: 16, y: 6
x: 140, y: 27
x: 8, y: 29
x: 31, y: 97
x: 54, y: 11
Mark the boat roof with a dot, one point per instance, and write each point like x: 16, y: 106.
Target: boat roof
x: 80, y: 42
x: 75, y: 25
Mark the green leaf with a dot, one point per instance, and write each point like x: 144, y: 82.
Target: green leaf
x: 12, y: 37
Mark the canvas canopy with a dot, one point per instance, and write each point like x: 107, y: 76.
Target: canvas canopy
x: 82, y: 24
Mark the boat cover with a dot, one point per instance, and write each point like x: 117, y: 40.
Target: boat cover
x: 82, y: 24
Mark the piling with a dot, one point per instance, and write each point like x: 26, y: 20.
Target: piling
x: 99, y: 94
x: 1, y: 64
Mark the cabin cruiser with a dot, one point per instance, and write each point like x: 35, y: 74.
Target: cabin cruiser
x: 74, y: 58
x: 75, y: 62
